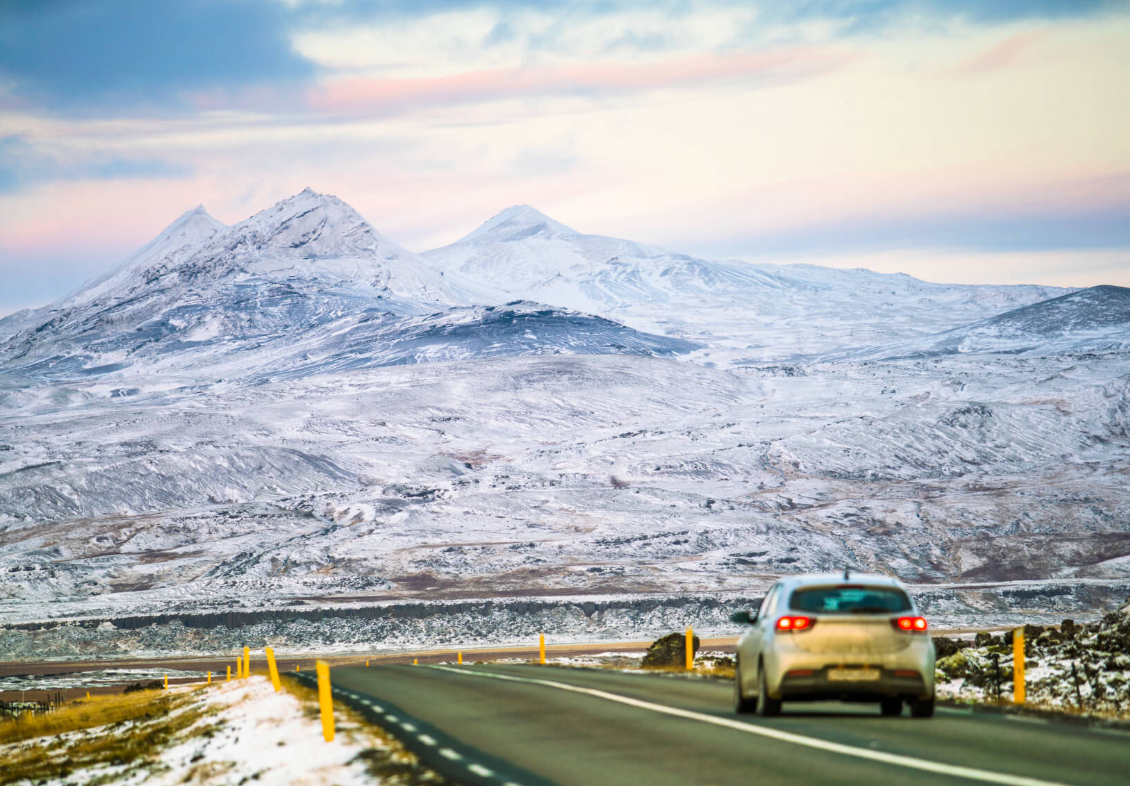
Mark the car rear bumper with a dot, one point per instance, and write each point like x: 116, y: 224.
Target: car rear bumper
x: 818, y: 687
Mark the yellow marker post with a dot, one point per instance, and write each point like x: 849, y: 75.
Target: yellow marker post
x: 541, y: 649
x: 1018, y: 666
x: 229, y: 673
x: 297, y: 667
x: 366, y: 664
x: 166, y: 682
x: 209, y: 678
x: 690, y: 649
x: 415, y: 661
x: 246, y: 662
x: 88, y: 694
x: 273, y: 669
x: 460, y: 658
x: 325, y: 700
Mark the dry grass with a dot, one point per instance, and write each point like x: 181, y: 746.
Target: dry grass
x: 121, y: 733
x: 88, y: 713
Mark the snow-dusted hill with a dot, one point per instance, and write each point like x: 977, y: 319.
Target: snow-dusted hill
x: 306, y: 279
x: 295, y: 411
x: 1090, y: 320
x: 746, y: 312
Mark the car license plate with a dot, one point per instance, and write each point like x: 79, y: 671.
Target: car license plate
x: 853, y: 675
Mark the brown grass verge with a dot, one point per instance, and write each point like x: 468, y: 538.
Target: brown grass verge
x: 121, y: 733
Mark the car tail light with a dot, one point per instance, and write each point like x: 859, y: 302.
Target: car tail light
x: 906, y: 673
x: 800, y: 673
x: 910, y: 624
x: 795, y: 623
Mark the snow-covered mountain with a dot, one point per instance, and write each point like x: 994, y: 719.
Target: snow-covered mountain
x: 745, y: 312
x: 1089, y: 320
x: 295, y: 411
x: 309, y: 269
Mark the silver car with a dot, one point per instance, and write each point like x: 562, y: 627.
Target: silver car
x: 847, y: 637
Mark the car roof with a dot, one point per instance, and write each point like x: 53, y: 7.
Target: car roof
x: 825, y: 579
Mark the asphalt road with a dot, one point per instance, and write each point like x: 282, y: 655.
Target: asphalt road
x: 533, y: 726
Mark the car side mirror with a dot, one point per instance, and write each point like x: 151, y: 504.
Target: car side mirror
x: 744, y: 617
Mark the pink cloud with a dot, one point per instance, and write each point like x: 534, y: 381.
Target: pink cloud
x: 782, y: 65
x: 1001, y: 55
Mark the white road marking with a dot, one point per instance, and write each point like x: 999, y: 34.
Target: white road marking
x: 424, y: 738
x: 479, y: 769
x: 407, y: 727
x: 953, y: 770
x: 448, y: 753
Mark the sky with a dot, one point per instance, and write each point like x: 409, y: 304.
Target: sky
x: 954, y: 140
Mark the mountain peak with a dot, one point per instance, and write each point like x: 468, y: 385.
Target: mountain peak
x: 517, y: 222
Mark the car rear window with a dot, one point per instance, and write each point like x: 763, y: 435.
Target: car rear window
x: 849, y: 599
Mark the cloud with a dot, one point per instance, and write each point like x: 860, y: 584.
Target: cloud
x: 387, y: 96
x: 73, y: 55
x: 1001, y: 55
x: 22, y: 165
x: 869, y: 16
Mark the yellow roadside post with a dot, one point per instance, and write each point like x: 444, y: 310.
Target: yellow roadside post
x: 229, y: 673
x: 297, y: 667
x: 1018, y: 666
x: 88, y: 694
x: 690, y: 649
x: 325, y: 699
x: 273, y: 669
x: 366, y: 663
x: 541, y: 649
x: 415, y: 661
x: 246, y: 661
x: 460, y: 657
x: 209, y: 678
x: 166, y: 682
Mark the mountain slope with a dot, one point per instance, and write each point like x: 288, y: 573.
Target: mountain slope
x: 745, y: 312
x: 1089, y: 320
x: 306, y: 278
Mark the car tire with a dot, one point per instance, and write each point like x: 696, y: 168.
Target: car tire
x: 742, y: 705
x: 922, y: 708
x: 891, y: 707
x: 767, y: 707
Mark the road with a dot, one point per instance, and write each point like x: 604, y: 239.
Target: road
x: 536, y: 726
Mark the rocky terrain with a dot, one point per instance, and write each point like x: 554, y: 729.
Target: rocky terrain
x: 295, y: 413
x: 1084, y: 668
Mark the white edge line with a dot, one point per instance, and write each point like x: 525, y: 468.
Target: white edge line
x: 784, y: 736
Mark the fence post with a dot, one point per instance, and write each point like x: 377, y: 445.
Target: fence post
x: 273, y: 669
x: 246, y: 661
x: 690, y: 649
x: 1018, y: 686
x: 325, y: 700
x: 541, y: 649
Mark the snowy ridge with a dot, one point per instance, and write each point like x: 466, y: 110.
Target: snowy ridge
x: 297, y: 409
x: 747, y: 313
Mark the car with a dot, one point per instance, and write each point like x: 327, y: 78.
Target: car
x: 826, y: 637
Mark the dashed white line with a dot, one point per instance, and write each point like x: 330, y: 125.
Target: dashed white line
x: 479, y: 769
x: 408, y: 727
x: 953, y: 770
x: 448, y: 753
x: 424, y: 738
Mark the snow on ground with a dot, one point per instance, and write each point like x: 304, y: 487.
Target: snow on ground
x: 1079, y: 668
x: 246, y: 732
x: 295, y: 412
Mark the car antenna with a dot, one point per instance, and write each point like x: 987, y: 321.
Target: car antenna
x: 847, y: 573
